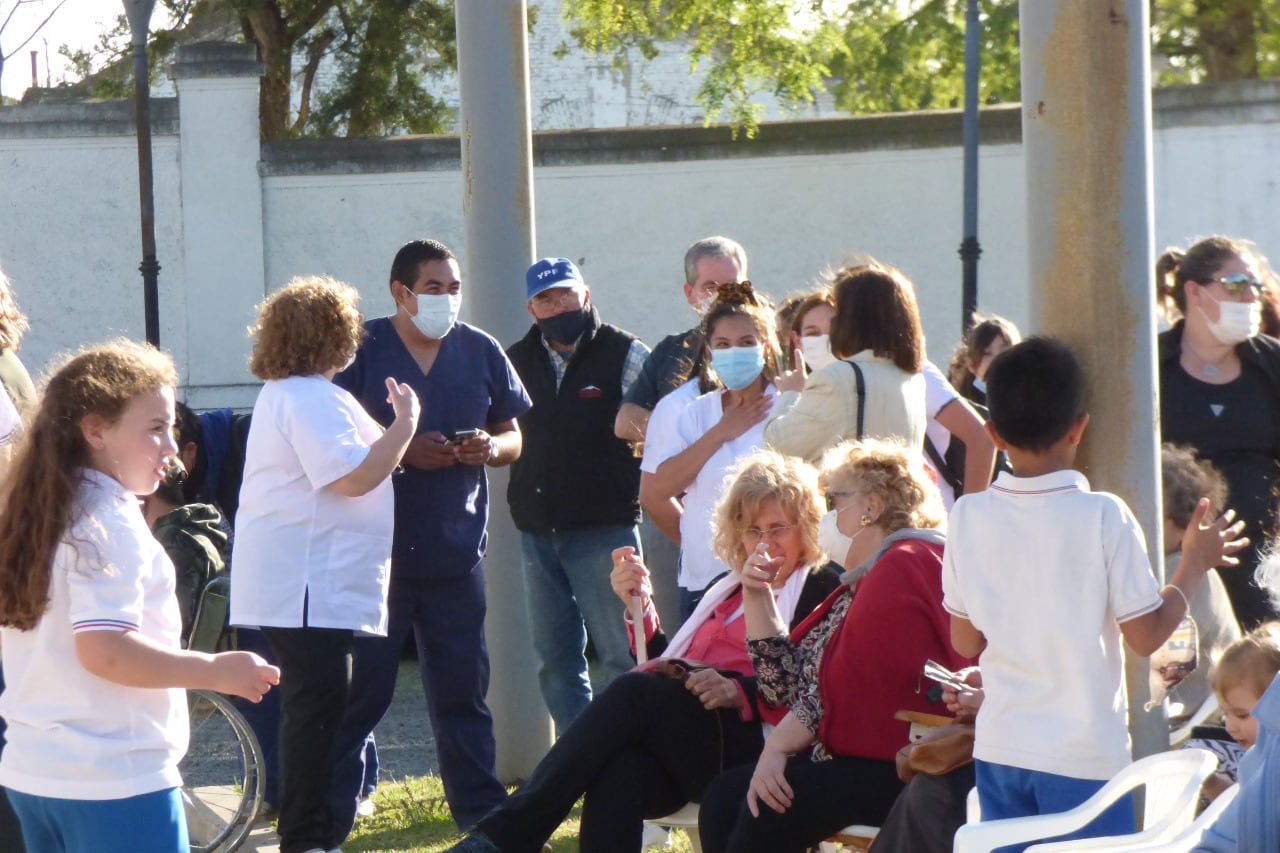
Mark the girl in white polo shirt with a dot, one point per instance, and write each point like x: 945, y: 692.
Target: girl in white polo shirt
x: 93, y: 669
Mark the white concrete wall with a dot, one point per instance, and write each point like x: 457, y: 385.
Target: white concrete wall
x: 70, y: 245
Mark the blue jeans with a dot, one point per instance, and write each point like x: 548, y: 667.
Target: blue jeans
x: 146, y: 823
x: 1006, y: 791
x: 566, y: 576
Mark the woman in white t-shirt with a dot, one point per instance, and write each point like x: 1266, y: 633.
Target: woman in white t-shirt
x: 717, y: 429
x: 94, y: 670
x: 312, y: 553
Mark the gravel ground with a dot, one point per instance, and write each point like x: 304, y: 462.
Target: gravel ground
x: 406, y: 746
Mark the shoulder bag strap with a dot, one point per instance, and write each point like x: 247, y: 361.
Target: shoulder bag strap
x: 862, y: 394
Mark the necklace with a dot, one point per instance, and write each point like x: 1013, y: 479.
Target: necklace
x: 1210, y: 369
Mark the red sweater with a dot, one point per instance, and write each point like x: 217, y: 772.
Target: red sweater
x: 871, y: 667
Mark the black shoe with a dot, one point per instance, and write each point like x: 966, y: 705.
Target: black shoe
x: 474, y: 843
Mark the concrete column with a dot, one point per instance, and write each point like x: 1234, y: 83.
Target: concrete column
x: 1086, y: 127
x: 497, y: 204
x: 222, y: 232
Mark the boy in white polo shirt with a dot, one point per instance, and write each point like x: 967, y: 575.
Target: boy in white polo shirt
x: 1042, y: 577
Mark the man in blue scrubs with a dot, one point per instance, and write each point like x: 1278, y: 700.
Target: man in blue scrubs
x: 471, y: 397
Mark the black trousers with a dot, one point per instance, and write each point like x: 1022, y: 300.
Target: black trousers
x: 828, y: 796
x: 315, y: 680
x: 641, y: 749
x: 926, y: 815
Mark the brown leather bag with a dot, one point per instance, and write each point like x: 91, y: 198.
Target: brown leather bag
x: 938, y: 752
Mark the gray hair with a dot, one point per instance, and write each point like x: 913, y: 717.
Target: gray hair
x: 713, y: 247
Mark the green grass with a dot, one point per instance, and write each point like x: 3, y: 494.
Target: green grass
x: 412, y: 818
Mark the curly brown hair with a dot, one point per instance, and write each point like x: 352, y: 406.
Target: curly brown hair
x: 309, y: 326
x: 765, y: 476
x: 12, y: 321
x: 983, y: 330
x: 1184, y: 479
x: 888, y: 470
x: 38, y: 498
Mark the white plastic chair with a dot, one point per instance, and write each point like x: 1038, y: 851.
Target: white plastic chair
x: 1182, y: 733
x: 686, y: 818
x: 1189, y: 838
x: 1172, y: 781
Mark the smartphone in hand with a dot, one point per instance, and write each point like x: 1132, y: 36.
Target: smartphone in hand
x: 462, y: 435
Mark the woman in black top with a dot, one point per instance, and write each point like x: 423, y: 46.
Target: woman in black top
x: 1220, y: 392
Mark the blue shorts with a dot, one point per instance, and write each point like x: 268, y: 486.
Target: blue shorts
x: 1006, y: 791
x: 147, y: 823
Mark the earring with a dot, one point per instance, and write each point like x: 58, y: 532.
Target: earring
x: 866, y: 519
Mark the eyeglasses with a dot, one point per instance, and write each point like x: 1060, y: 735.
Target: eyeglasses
x: 773, y: 534
x: 556, y: 297
x: 832, y: 497
x: 1237, y: 283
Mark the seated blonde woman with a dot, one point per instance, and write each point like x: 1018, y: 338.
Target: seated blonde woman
x: 656, y: 736
x: 848, y: 668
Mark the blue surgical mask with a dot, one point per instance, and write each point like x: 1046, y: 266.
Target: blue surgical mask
x: 738, y: 367
x: 979, y: 385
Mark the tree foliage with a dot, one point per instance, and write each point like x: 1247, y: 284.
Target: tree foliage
x: 891, y: 55
x: 375, y: 57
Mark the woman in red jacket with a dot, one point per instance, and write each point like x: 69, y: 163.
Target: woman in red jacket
x: 847, y: 668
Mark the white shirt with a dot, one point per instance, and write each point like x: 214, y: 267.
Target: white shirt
x: 1047, y: 570
x: 662, y: 422
x: 73, y: 734
x: 296, y: 539
x: 699, y: 566
x: 938, y: 394
x: 10, y: 420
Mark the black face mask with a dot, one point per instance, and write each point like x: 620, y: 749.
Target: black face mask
x: 564, y: 328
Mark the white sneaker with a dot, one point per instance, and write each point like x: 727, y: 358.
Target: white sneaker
x: 365, y: 808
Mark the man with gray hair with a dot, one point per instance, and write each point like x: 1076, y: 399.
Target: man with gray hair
x: 708, y: 263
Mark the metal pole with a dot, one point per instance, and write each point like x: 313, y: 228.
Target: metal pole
x: 970, y: 250
x: 497, y: 204
x: 1086, y: 129
x: 139, y: 14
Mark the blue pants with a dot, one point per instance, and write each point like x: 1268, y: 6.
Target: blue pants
x: 1006, y: 791
x: 446, y: 617
x: 147, y: 823
x: 567, y: 589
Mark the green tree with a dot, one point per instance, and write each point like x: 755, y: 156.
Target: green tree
x: 890, y: 55
x: 382, y: 52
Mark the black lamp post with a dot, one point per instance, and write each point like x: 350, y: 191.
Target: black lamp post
x: 970, y: 250
x: 139, y: 14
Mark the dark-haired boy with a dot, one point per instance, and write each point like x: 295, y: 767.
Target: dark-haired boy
x: 1042, y: 577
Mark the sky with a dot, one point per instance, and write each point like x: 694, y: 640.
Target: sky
x: 77, y: 23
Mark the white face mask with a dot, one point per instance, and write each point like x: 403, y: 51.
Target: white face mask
x: 835, y: 543
x: 1237, y: 321
x: 704, y: 304
x: 817, y: 351
x: 437, y: 312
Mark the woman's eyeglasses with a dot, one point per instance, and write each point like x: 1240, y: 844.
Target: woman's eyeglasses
x: 1238, y: 283
x: 833, y: 497
x: 773, y: 534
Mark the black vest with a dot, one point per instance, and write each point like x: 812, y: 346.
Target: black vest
x: 573, y: 472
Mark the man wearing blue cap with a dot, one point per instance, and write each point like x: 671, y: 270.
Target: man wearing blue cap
x: 573, y: 491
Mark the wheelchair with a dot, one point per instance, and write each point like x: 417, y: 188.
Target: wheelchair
x: 223, y: 772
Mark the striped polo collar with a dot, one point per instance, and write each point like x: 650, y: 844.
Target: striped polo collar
x: 1068, y: 480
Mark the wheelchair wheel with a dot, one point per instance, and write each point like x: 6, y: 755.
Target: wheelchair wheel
x: 222, y: 774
